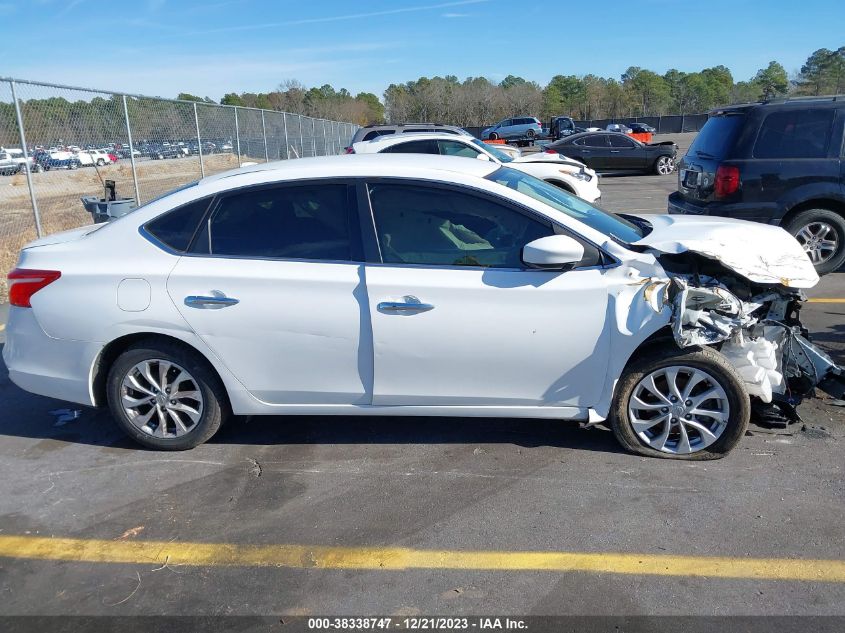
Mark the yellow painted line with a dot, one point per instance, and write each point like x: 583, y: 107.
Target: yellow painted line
x: 2, y: 326
x: 825, y: 300
x: 400, y: 558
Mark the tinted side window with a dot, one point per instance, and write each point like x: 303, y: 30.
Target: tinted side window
x: 423, y: 225
x: 598, y: 140
x: 414, y: 147
x: 376, y: 133
x: 300, y: 222
x: 794, y: 134
x: 177, y: 227
x: 454, y: 148
x: 621, y: 141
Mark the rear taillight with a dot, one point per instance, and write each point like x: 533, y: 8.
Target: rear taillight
x: 550, y: 151
x: 349, y: 150
x: 727, y: 181
x: 25, y: 282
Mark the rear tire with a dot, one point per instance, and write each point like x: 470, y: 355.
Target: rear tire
x: 707, y: 436
x: 530, y: 134
x: 822, y: 234
x: 142, y: 406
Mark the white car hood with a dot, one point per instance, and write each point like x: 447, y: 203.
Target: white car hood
x: 759, y: 252
x: 543, y: 157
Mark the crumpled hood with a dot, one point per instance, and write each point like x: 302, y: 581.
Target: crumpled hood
x: 759, y: 252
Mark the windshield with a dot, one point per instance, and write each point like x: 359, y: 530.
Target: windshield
x: 574, y: 207
x: 501, y: 156
x: 717, y: 136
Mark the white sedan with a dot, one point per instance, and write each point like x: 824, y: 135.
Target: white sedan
x: 561, y: 171
x: 412, y: 285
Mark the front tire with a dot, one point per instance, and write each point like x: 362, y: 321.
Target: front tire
x: 165, y: 396
x: 685, y: 404
x: 822, y: 234
x: 493, y: 136
x: 664, y: 166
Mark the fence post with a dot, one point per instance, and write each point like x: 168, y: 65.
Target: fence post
x: 264, y: 132
x: 22, y: 133
x: 313, y: 138
x: 301, y: 138
x: 131, y: 151
x: 237, y: 136
x: 199, y: 140
x: 287, y: 147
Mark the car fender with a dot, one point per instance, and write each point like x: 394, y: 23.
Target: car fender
x: 804, y: 194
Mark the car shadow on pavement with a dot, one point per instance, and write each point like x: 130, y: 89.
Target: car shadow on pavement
x: 29, y: 416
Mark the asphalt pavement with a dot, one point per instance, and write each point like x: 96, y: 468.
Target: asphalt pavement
x: 407, y: 516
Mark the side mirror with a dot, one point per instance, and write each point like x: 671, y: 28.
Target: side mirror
x: 552, y: 252
x: 482, y: 156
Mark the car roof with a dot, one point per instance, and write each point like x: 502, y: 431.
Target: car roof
x: 410, y: 136
x: 355, y: 165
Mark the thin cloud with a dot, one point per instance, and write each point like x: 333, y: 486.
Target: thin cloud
x: 339, y: 18
x: 454, y: 15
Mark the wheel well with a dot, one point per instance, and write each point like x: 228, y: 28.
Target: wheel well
x: 817, y: 203
x: 119, y: 345
x: 661, y: 338
x: 562, y: 185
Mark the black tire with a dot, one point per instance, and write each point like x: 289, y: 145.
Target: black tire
x: 493, y: 136
x: 702, y: 358
x: 657, y: 166
x: 100, y: 162
x: 833, y: 219
x: 73, y: 165
x: 215, y: 405
x: 530, y: 134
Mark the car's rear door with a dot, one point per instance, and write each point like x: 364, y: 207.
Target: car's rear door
x: 274, y: 286
x: 458, y: 320
x: 595, y: 151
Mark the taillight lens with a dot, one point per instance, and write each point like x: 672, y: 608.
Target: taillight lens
x: 349, y: 150
x: 25, y: 282
x: 727, y: 181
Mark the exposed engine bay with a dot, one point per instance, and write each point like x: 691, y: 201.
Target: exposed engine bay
x: 755, y: 326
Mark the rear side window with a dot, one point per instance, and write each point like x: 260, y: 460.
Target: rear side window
x: 301, y: 222
x: 794, y: 134
x: 414, y: 147
x: 717, y: 136
x: 177, y: 227
x: 369, y: 136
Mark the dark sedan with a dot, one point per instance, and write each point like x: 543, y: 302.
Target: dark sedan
x: 642, y: 128
x: 611, y: 151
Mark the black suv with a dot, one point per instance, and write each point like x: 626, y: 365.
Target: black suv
x: 781, y: 162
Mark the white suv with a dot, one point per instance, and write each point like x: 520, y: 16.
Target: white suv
x: 563, y: 172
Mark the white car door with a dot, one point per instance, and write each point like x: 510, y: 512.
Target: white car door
x: 458, y: 320
x: 272, y: 286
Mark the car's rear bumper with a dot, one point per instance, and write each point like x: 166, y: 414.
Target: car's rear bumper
x: 677, y: 205
x: 47, y: 366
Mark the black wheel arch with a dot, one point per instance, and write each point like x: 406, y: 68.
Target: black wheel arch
x: 109, y: 354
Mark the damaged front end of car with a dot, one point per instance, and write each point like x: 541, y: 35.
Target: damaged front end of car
x: 756, y: 326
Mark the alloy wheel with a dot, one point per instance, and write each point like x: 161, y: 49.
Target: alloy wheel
x: 161, y: 398
x: 820, y: 241
x: 678, y: 410
x: 665, y: 165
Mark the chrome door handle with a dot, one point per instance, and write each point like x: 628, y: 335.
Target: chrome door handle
x: 210, y: 303
x: 614, y: 151
x: 410, y: 304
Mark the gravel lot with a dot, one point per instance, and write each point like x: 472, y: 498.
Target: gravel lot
x: 429, y: 485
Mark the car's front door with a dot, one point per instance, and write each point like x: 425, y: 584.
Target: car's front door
x: 273, y: 287
x: 457, y: 319
x: 625, y: 153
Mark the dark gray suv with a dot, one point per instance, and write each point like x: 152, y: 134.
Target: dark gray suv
x: 781, y: 162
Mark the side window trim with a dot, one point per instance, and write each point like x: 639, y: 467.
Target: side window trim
x: 370, y: 233
x: 357, y: 251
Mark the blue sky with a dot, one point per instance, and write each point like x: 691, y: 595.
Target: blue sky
x: 162, y: 47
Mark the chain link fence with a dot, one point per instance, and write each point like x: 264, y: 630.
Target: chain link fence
x: 60, y: 143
